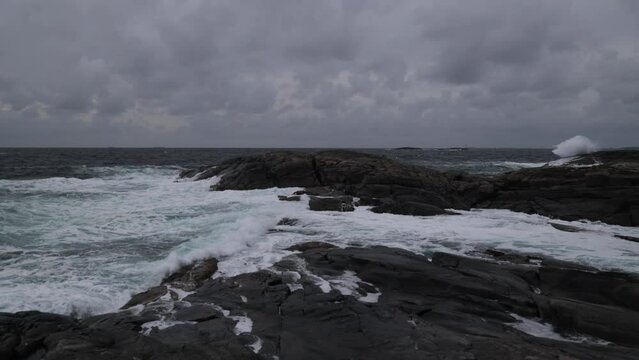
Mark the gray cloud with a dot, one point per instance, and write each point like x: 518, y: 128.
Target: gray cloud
x: 309, y: 73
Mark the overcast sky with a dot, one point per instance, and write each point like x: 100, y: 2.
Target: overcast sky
x: 524, y: 73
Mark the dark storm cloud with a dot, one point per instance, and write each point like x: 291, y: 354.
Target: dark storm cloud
x: 318, y: 73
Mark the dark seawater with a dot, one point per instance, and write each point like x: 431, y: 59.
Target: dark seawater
x: 37, y: 163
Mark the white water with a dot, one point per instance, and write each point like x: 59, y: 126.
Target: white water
x: 577, y: 145
x: 84, y: 246
x: 537, y: 328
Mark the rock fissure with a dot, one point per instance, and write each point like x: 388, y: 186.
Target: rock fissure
x: 316, y: 171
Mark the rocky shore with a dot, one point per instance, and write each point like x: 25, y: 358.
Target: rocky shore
x: 322, y: 302
x: 602, y: 186
x: 325, y: 302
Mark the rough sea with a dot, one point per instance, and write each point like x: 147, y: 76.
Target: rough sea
x: 83, y: 229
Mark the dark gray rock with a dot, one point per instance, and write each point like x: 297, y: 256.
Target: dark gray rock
x: 287, y: 222
x: 607, y: 192
x: 450, y: 307
x: 514, y: 257
x: 147, y: 296
x: 198, y: 313
x: 289, y: 198
x: 187, y: 278
x: 312, y: 245
x: 336, y: 173
x: 627, y: 237
x: 409, y: 208
x: 192, y: 276
x: 279, y: 169
x: 341, y: 203
x: 567, y: 228
x: 320, y: 191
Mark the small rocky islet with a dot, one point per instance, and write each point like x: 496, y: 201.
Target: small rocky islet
x: 325, y: 302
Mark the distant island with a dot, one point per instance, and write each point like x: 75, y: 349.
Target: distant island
x: 452, y: 149
x: 408, y: 148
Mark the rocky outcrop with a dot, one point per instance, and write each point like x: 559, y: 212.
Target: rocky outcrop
x: 367, y: 303
x: 276, y: 169
x: 376, y: 180
x: 187, y: 278
x: 602, y: 186
x: 191, y: 276
x: 289, y: 198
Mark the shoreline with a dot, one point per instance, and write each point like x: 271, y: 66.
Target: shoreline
x: 197, y: 316
x: 366, y: 302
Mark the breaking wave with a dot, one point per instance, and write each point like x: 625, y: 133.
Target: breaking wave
x: 577, y: 145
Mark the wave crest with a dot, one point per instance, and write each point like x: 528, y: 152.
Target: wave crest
x: 577, y: 145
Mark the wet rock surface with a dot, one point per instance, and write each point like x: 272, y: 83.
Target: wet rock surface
x: 359, y: 303
x: 602, y: 186
x: 289, y: 198
x: 191, y: 276
x: 287, y: 222
x: 376, y: 180
x: 338, y: 203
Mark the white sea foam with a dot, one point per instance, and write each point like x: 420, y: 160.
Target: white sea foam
x: 160, y: 325
x: 214, y: 180
x: 85, y: 246
x: 577, y: 145
x: 293, y: 277
x: 243, y: 324
x: 537, y: 328
x: 348, y: 284
x: 257, y: 345
x: 518, y: 165
x: 181, y: 294
x: 370, y: 297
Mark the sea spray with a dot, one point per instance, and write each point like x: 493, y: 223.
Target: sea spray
x: 577, y: 145
x: 230, y: 239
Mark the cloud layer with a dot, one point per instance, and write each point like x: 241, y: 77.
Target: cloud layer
x: 309, y: 73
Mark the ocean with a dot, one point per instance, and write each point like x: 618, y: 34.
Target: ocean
x: 83, y: 229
